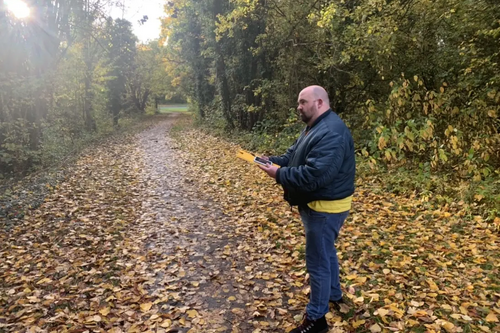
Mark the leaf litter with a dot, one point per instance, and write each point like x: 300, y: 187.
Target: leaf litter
x: 163, y: 234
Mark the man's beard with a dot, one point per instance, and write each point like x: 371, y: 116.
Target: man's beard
x: 304, y: 118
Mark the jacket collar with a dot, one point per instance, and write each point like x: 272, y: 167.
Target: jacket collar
x: 324, y: 115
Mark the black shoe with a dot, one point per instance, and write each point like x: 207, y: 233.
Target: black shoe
x: 312, y: 326
x: 336, y: 304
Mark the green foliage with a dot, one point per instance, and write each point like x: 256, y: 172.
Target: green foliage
x: 479, y: 197
x: 417, y: 81
x: 435, y: 126
x: 69, y: 75
x: 15, y: 149
x: 121, y: 56
x: 150, y: 84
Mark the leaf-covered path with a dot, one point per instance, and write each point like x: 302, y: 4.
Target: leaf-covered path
x: 160, y: 233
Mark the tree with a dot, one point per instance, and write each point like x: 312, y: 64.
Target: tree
x: 150, y: 82
x: 121, y: 45
x: 416, y: 80
x: 60, y: 72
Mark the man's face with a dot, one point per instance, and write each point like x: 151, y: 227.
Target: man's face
x: 306, y: 106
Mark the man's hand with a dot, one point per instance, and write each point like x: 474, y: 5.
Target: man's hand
x: 269, y: 169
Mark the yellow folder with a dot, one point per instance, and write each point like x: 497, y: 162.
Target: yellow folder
x: 249, y: 157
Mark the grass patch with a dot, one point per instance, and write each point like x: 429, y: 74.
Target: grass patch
x: 173, y: 108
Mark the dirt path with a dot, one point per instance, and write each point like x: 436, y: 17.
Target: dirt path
x: 186, y: 226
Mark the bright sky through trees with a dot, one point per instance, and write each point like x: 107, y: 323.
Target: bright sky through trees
x: 134, y: 11
x: 19, y: 8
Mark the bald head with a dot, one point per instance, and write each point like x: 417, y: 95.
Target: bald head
x: 320, y: 93
x: 313, y: 101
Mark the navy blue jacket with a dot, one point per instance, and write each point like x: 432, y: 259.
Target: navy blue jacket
x: 320, y: 165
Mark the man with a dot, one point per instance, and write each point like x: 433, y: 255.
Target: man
x: 317, y: 175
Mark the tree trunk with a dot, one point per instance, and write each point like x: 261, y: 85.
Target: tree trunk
x: 220, y: 68
x: 89, y: 120
x: 90, y: 124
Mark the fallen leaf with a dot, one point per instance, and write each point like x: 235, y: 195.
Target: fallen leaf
x: 382, y: 312
x: 145, y: 307
x: 491, y: 318
x: 358, y: 323
x: 192, y: 313
x: 104, y: 311
x: 166, y: 323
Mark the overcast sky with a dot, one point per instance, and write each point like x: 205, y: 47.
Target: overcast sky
x: 135, y: 10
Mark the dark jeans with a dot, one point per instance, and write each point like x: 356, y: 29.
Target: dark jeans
x: 322, y: 229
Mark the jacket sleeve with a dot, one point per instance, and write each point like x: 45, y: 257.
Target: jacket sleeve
x: 285, y: 158
x: 322, y: 165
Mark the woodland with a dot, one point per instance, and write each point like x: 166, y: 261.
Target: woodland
x: 119, y: 216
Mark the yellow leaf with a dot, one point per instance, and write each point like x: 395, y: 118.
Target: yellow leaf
x: 420, y: 313
x: 491, y: 318
x: 485, y: 328
x: 231, y: 298
x: 446, y: 307
x: 166, y: 323
x: 381, y: 143
x: 361, y: 279
x: 146, y: 306
x: 195, y: 283
x: 45, y: 280
x: 358, y: 323
x: 432, y: 285
x: 412, y: 322
x: 386, y: 271
x: 104, y: 311
x: 192, y: 313
x: 449, y: 327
